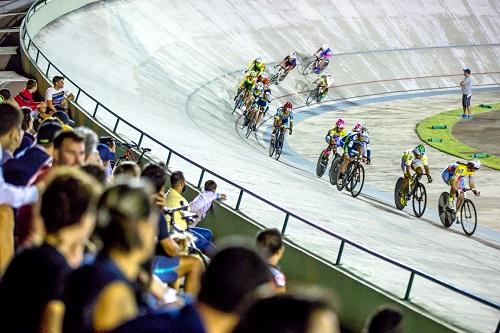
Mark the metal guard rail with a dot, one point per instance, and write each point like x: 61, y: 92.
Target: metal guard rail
x: 288, y: 214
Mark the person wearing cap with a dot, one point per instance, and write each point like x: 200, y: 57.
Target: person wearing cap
x: 466, y: 85
x: 29, y: 164
x: 63, y: 116
x: 106, y: 156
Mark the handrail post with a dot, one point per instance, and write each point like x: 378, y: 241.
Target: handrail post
x: 168, y: 159
x: 78, y: 95
x: 201, y: 178
x: 29, y: 45
x: 37, y: 55
x: 48, y: 68
x: 339, y: 254
x: 239, y: 200
x: 116, y: 125
x: 287, y: 216
x: 95, y: 109
x: 140, y: 140
x: 410, y: 283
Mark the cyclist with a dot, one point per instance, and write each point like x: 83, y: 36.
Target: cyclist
x: 289, y: 62
x: 264, y: 78
x: 357, y: 127
x: 323, y: 53
x: 257, y: 91
x: 257, y: 65
x: 323, y: 82
x: 283, y: 117
x: 247, y: 84
x: 261, y: 106
x: 454, y: 174
x: 333, y: 137
x: 413, y: 160
x: 355, y: 142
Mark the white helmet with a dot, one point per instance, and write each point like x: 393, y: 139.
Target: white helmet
x: 268, y: 92
x: 324, y: 47
x: 293, y: 55
x: 474, y: 164
x: 258, y: 59
x: 259, y: 86
x: 265, y: 75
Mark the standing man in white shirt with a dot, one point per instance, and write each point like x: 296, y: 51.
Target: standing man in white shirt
x: 466, y: 85
x: 202, y: 203
x: 57, y: 97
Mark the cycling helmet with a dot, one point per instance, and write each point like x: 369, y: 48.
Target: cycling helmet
x: 324, y: 47
x: 267, y: 92
x: 363, y: 134
x: 419, y: 150
x: 474, y: 164
x: 259, y: 86
x: 265, y: 75
x: 293, y: 55
x: 357, y: 127
x: 288, y: 105
x: 340, y: 123
x: 258, y: 59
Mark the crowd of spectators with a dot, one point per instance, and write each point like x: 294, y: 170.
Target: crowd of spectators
x: 90, y: 246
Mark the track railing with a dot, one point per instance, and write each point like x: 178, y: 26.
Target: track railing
x: 28, y: 45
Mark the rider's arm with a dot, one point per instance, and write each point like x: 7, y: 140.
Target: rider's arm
x: 472, y: 185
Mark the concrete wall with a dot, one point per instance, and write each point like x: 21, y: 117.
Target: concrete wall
x: 357, y: 298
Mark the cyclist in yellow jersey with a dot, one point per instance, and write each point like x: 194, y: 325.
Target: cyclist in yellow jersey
x: 333, y: 137
x: 257, y: 65
x: 247, y: 84
x: 413, y: 160
x: 454, y: 174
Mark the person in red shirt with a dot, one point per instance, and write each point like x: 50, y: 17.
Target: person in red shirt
x: 25, y: 97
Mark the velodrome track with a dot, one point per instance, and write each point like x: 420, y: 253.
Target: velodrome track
x: 171, y: 69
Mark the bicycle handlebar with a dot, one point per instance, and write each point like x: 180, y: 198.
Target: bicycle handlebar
x: 171, y: 211
x: 132, y: 145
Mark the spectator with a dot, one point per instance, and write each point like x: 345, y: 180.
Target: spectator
x: 175, y: 199
x: 10, y: 133
x: 34, y: 304
x: 127, y: 169
x: 106, y: 156
x: 108, y: 141
x: 97, y: 172
x: 102, y: 296
x: 28, y: 139
x: 270, y: 244
x: 57, y: 97
x: 168, y: 259
x: 63, y: 116
x: 25, y: 97
x: 91, y: 141
x: 69, y: 149
x: 306, y: 312
x: 7, y: 98
x: 386, y: 319
x: 22, y: 169
x: 466, y: 85
x: 204, y: 201
x: 234, y: 273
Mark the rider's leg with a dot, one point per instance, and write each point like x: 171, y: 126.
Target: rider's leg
x: 453, y: 191
x: 191, y: 268
x: 460, y: 200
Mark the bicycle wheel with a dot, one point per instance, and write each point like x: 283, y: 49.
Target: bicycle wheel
x: 250, y: 127
x: 419, y: 199
x: 282, y: 76
x: 398, y: 192
x: 245, y: 120
x: 334, y: 169
x: 275, y: 79
x: 271, y: 147
x: 279, y: 146
x: 342, y: 181
x: 468, y: 217
x: 357, y: 180
x: 309, y: 67
x: 444, y: 214
x: 312, y: 96
x: 321, y: 164
x: 324, y: 65
x: 238, y: 102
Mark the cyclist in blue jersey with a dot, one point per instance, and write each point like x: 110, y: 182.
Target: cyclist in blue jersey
x: 283, y: 117
x: 261, y: 106
x: 355, y: 143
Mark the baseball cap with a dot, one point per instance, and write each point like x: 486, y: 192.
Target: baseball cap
x: 63, y: 116
x: 47, y: 131
x: 467, y: 70
x: 105, y: 153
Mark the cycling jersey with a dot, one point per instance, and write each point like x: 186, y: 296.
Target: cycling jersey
x: 289, y: 62
x: 280, y: 114
x: 350, y: 143
x: 456, y: 171
x: 336, y: 134
x: 408, y: 158
x: 248, y: 82
x: 262, y: 104
x: 254, y: 66
x: 324, y: 54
